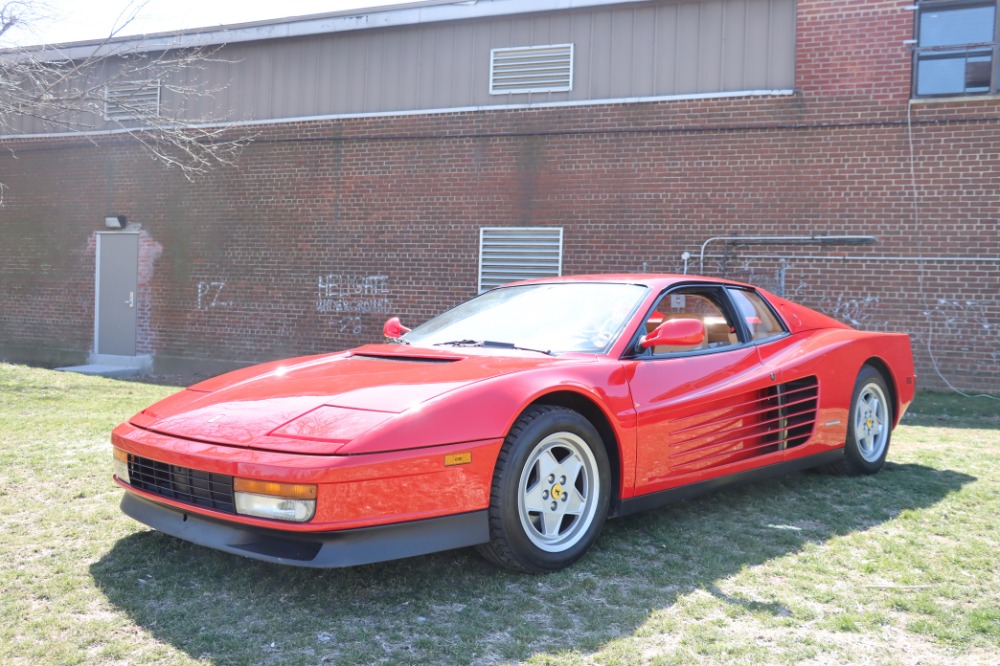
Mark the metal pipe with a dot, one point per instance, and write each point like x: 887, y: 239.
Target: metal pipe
x: 844, y: 257
x: 785, y: 240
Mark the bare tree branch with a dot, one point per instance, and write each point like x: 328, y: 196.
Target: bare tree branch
x: 119, y: 85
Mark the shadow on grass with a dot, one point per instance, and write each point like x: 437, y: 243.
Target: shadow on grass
x: 455, y: 608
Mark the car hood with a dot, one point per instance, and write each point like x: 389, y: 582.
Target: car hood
x: 317, y: 405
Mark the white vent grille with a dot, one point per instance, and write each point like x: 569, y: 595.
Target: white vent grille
x: 132, y: 100
x: 508, y: 254
x: 531, y: 69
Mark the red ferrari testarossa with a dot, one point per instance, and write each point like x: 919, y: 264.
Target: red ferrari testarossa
x: 516, y: 422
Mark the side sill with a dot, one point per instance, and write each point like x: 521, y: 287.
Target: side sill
x: 317, y: 550
x: 671, y: 495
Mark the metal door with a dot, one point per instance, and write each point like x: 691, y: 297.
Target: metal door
x: 116, y: 289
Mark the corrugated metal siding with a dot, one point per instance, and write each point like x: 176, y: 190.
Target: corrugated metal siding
x: 653, y: 49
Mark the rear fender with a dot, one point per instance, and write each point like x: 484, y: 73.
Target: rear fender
x: 836, y: 356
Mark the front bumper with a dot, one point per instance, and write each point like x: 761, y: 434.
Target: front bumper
x: 343, y: 548
x: 353, y: 491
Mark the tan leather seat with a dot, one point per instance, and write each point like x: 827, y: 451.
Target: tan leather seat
x: 718, y: 332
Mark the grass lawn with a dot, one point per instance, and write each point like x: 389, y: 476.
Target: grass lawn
x: 899, y: 568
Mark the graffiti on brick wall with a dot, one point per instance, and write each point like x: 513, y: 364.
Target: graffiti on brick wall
x: 859, y: 312
x: 354, y: 294
x: 746, y: 271
x: 210, y: 295
x: 351, y: 326
x: 962, y: 315
x: 963, y: 320
x: 741, y: 270
x: 958, y: 337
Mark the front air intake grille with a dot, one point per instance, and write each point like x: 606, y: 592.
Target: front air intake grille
x: 191, y: 486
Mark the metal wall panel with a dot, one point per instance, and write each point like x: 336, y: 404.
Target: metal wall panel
x: 649, y: 49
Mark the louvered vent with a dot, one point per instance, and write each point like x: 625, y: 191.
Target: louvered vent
x: 732, y: 429
x: 132, y: 100
x: 508, y: 254
x: 531, y: 69
x: 795, y: 416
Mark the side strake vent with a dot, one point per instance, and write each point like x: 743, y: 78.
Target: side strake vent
x: 795, y: 413
x: 755, y: 423
x: 531, y: 69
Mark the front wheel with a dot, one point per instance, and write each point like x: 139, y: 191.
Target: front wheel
x: 869, y: 428
x: 550, y: 492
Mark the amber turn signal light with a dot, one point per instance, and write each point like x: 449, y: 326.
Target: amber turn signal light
x: 273, y: 489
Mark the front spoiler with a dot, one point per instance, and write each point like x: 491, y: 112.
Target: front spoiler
x: 317, y: 549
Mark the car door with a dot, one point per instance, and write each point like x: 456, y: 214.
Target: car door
x: 702, y: 410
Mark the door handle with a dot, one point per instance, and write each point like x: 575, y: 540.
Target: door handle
x: 131, y: 299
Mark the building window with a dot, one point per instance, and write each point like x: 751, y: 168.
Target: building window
x: 508, y: 254
x: 531, y: 69
x: 132, y: 100
x: 956, y: 50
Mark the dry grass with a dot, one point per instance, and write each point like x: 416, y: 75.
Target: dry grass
x: 900, y: 568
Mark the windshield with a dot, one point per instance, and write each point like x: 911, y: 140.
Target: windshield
x: 551, y: 318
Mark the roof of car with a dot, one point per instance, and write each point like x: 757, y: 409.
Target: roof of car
x: 653, y: 280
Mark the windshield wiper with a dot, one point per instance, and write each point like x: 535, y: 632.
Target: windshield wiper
x: 461, y: 343
x: 491, y: 343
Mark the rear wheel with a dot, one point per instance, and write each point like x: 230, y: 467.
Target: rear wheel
x: 869, y: 428
x: 550, y: 492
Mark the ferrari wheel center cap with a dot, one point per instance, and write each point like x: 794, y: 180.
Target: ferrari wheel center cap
x: 557, y: 491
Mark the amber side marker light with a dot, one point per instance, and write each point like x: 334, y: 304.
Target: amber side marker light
x: 291, y: 502
x: 120, y: 466
x: 457, y: 459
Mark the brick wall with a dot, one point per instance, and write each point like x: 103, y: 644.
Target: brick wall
x: 324, y: 229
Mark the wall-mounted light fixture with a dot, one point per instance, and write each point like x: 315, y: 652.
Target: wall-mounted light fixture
x: 115, y: 221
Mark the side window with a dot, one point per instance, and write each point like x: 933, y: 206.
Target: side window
x: 759, y: 318
x: 705, y: 305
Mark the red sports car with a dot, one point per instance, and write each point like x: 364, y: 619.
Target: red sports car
x: 516, y: 422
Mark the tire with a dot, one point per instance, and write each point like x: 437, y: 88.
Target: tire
x: 550, y: 493
x: 869, y: 427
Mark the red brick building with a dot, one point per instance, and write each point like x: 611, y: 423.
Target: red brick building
x: 396, y: 153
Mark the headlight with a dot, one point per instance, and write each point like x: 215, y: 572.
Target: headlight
x: 292, y: 502
x: 120, y: 466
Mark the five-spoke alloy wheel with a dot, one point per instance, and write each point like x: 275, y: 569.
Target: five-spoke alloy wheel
x: 558, y: 492
x: 550, y: 493
x: 871, y: 410
x: 870, y: 426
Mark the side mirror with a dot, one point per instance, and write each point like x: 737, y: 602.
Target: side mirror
x: 393, y: 329
x: 675, y: 333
